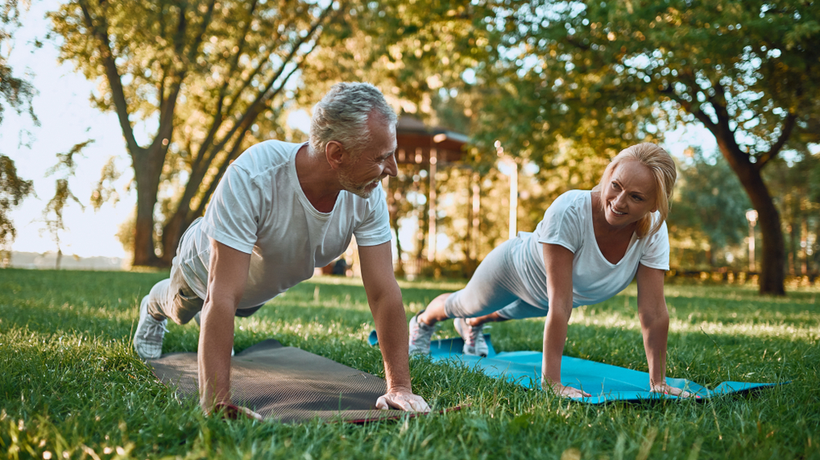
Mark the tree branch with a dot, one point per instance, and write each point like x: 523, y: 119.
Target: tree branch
x: 218, y: 114
x: 200, y: 37
x: 788, y: 126
x: 261, y: 95
x: 235, y: 150
x: 100, y: 32
x: 689, y: 107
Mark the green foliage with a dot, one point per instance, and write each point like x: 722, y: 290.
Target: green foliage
x: 105, y: 191
x: 594, y: 65
x: 709, y: 203
x: 12, y: 191
x: 17, y: 93
x: 14, y: 91
x: 53, y: 212
x: 796, y: 185
x: 72, y: 384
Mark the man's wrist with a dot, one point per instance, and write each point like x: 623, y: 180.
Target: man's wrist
x: 399, y: 389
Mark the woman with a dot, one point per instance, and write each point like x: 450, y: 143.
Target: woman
x: 589, y: 247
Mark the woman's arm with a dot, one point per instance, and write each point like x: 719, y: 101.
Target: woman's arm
x: 654, y: 319
x: 558, y: 264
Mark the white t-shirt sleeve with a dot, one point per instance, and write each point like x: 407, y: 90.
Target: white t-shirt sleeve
x: 656, y: 253
x: 562, y: 223
x: 375, y: 229
x: 233, y: 214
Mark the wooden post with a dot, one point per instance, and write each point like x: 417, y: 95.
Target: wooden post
x: 514, y: 200
x: 474, y: 235
x: 431, y: 216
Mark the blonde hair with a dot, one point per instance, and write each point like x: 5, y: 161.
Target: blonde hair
x: 662, y: 166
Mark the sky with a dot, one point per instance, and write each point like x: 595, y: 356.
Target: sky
x: 66, y: 118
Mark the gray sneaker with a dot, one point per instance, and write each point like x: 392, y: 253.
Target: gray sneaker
x: 420, y: 335
x: 474, y: 343
x: 148, y: 338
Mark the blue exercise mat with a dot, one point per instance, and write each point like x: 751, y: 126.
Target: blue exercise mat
x: 604, y: 382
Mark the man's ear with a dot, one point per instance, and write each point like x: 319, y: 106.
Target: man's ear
x: 336, y: 154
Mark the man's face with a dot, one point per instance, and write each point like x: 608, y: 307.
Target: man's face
x: 374, y: 163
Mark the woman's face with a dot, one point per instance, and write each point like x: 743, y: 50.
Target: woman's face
x: 629, y: 195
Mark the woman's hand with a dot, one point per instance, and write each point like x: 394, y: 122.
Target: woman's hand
x: 568, y: 392
x: 668, y: 390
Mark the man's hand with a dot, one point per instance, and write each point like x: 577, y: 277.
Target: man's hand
x: 668, y: 390
x: 402, y: 399
x: 567, y: 392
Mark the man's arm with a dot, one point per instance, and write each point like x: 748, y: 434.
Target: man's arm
x: 384, y: 298
x: 227, y: 274
x: 654, y: 319
x: 558, y: 265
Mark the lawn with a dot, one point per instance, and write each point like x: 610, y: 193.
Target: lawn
x: 71, y: 385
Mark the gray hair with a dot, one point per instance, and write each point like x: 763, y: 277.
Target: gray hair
x: 342, y: 116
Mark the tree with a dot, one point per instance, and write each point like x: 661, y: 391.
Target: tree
x: 202, y: 76
x: 612, y: 73
x: 17, y: 93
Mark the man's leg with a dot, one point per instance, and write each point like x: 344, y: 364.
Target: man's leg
x: 151, y: 328
x: 161, y: 303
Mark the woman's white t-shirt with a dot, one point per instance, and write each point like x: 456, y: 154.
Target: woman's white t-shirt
x: 259, y: 208
x: 568, y: 223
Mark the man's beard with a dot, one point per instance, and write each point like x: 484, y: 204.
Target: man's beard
x: 355, y: 188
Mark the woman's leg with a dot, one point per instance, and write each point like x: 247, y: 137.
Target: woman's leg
x: 490, y: 288
x: 493, y: 317
x: 435, y: 310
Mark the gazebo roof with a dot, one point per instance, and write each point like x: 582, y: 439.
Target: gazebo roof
x: 416, y: 140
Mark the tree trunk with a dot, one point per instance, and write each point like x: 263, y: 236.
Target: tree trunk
x: 711, y: 257
x: 147, y: 165
x: 772, y: 266
x: 174, y: 227
x: 793, y: 254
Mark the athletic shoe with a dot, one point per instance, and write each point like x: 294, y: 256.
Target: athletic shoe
x: 474, y: 343
x: 148, y: 338
x: 199, y: 323
x: 420, y: 335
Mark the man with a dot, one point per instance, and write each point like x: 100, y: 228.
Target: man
x: 280, y: 211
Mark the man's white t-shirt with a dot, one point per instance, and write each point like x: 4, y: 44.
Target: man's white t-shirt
x: 259, y: 208
x: 568, y: 223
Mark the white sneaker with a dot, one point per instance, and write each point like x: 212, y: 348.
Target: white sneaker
x: 474, y: 343
x: 198, y: 320
x: 420, y: 336
x: 149, y: 334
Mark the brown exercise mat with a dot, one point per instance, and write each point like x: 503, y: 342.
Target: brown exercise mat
x: 286, y: 384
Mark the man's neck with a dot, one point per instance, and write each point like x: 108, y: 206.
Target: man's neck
x: 317, y: 179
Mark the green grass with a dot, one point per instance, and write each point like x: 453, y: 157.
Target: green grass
x: 72, y: 387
